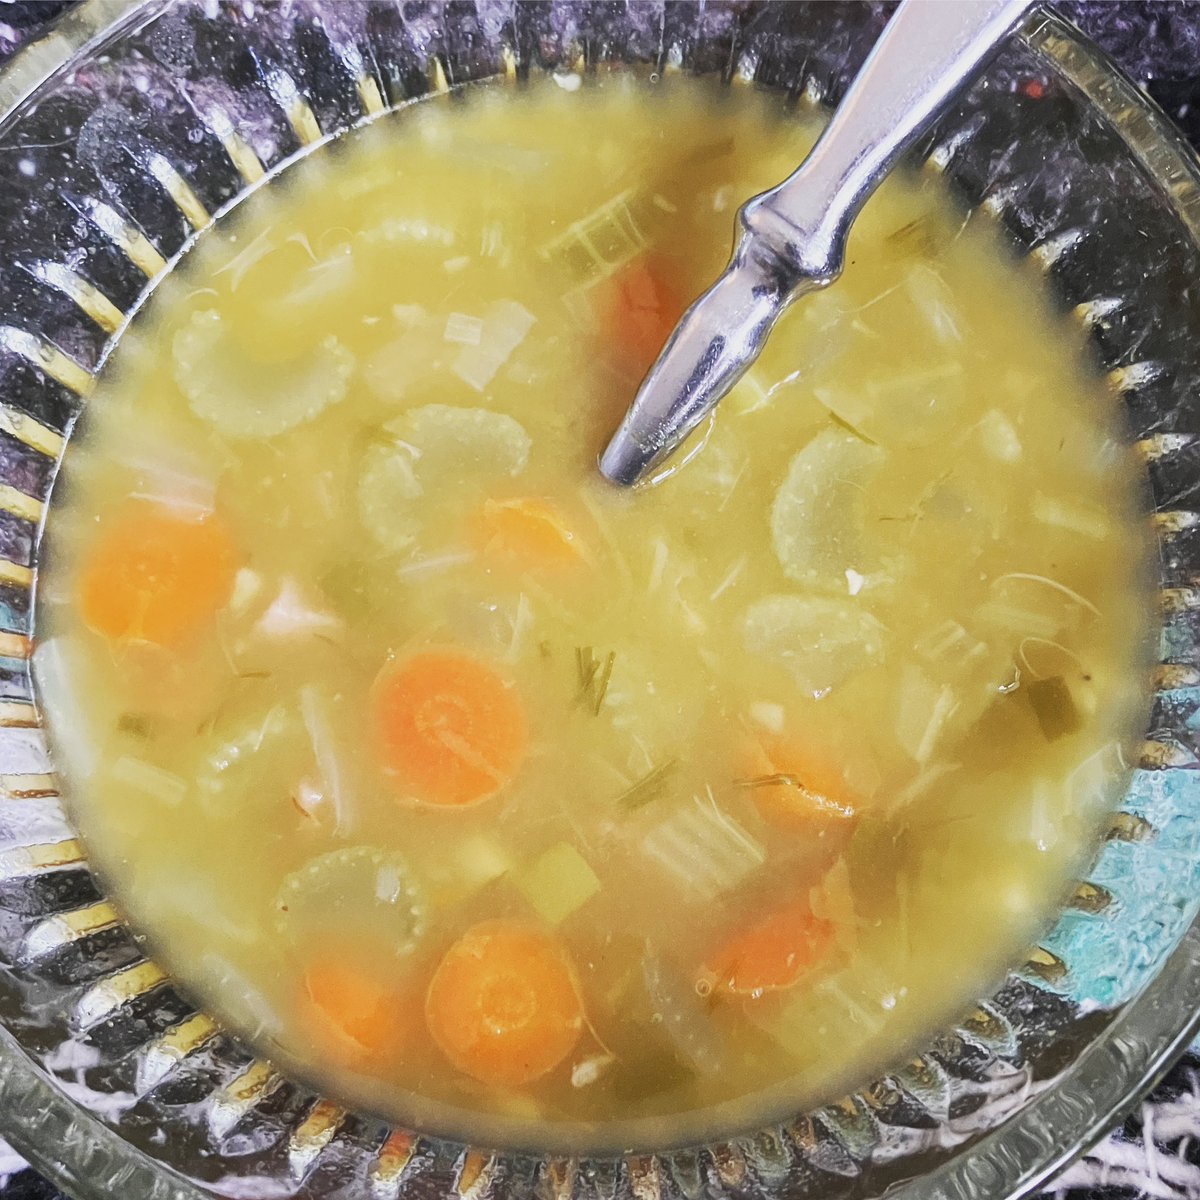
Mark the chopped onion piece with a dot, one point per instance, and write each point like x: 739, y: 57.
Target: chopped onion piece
x: 682, y: 1014
x: 320, y: 283
x: 61, y: 674
x: 1092, y: 784
x: 324, y: 741
x: 147, y: 780
x: 949, y: 643
x: 1027, y: 605
x: 247, y: 586
x: 291, y: 615
x: 924, y: 713
x: 409, y: 360
x: 817, y: 514
x: 999, y: 437
x: 168, y: 476
x: 588, y: 1070
x: 1074, y: 518
x: 819, y: 640
x: 933, y: 298
x: 505, y: 325
x: 832, y: 900
x: 769, y: 715
x: 255, y: 400
x: 921, y: 784
x: 467, y: 331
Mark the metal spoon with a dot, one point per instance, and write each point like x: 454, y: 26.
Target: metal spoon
x: 793, y: 238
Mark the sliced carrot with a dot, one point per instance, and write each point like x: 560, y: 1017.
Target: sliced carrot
x: 528, y: 531
x: 450, y: 728
x: 503, y: 1005
x: 775, y: 952
x: 355, y: 1014
x: 797, y: 791
x: 152, y: 576
x: 640, y: 306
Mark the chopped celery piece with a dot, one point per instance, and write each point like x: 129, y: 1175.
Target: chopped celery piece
x: 255, y: 400
x: 595, y: 246
x: 450, y: 442
x: 925, y: 711
x: 349, y: 888
x: 148, y: 780
x: 387, y: 489
x: 1053, y: 705
x: 557, y: 883
x: 435, y: 446
x: 817, y: 514
x: 703, y: 847
x: 819, y: 640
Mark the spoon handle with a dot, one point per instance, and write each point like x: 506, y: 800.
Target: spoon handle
x: 793, y: 237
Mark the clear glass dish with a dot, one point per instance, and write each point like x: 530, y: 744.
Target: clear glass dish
x: 132, y: 126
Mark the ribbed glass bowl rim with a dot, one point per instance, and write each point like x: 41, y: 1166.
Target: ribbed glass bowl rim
x: 84, y: 1157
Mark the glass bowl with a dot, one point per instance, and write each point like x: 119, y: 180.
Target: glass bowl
x: 130, y: 128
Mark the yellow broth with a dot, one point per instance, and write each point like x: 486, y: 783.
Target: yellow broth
x: 785, y: 757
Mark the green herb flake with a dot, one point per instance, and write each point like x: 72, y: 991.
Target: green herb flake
x: 593, y: 677
x: 650, y: 787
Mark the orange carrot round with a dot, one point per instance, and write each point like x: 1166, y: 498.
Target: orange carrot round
x: 503, y: 1005
x: 355, y: 1015
x: 152, y: 576
x: 640, y: 307
x: 798, y: 791
x: 528, y: 531
x: 775, y: 952
x: 450, y: 728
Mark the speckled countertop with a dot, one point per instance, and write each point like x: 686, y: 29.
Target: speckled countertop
x: 1156, y: 1153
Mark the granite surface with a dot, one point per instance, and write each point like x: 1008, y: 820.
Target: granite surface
x: 1155, y: 1154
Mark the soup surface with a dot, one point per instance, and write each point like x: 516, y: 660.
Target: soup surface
x: 477, y: 790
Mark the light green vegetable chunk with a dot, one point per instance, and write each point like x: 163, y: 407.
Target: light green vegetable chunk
x: 558, y: 883
x: 255, y: 400
x: 817, y: 516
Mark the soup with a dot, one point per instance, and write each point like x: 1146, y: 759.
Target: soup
x: 488, y: 796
